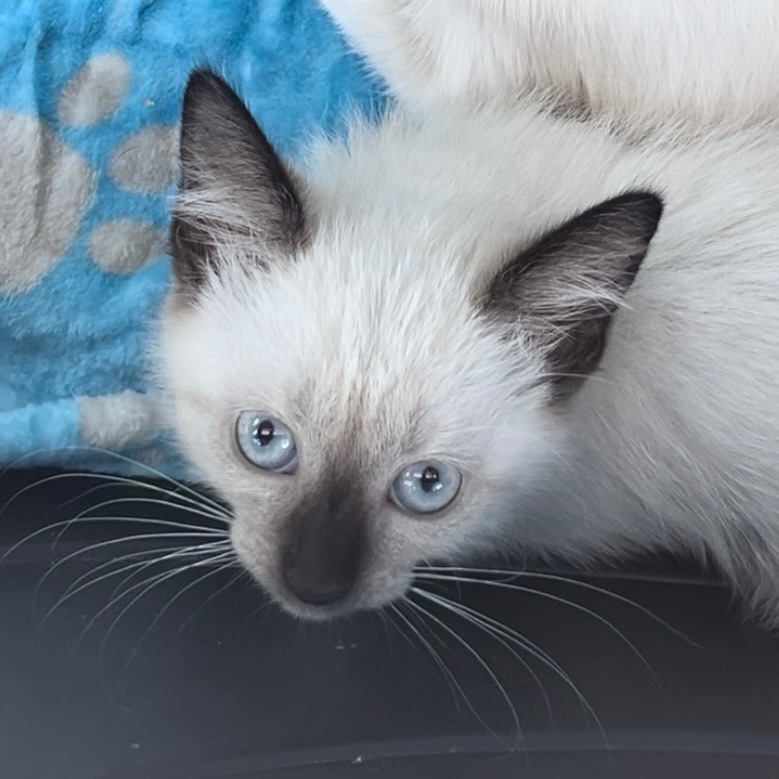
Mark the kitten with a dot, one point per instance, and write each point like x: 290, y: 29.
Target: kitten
x: 504, y: 330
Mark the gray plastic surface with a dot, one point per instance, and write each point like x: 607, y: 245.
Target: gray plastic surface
x: 213, y: 682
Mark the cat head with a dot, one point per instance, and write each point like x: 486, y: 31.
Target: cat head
x: 363, y: 398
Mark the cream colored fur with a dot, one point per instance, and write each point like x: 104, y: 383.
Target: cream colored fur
x: 369, y: 339
x: 698, y: 63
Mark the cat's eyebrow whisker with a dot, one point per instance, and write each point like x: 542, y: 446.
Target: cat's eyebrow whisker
x: 150, y: 558
x: 481, y: 661
x: 524, y: 574
x: 548, y: 375
x: 523, y: 642
x: 555, y: 599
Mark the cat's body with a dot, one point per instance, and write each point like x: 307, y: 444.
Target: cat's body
x: 701, y: 64
x: 416, y: 301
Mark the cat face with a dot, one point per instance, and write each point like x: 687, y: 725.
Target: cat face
x: 350, y: 444
x: 362, y: 400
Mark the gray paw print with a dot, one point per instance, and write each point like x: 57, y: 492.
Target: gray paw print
x: 47, y: 187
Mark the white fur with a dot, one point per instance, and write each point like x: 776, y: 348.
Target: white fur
x: 676, y: 439
x: 370, y: 338
x: 701, y: 63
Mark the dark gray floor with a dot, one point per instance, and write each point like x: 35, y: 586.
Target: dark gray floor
x: 223, y: 685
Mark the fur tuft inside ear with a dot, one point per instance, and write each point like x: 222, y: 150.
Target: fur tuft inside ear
x: 564, y: 290
x: 234, y: 188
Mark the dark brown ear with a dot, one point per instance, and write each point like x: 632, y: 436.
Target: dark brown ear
x: 564, y: 290
x: 234, y: 188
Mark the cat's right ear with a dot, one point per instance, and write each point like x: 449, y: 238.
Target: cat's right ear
x: 236, y: 198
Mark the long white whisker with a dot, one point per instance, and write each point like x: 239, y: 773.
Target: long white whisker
x: 388, y: 612
x: 176, y: 498
x: 34, y: 485
x: 132, y: 520
x: 115, y: 601
x: 116, y: 541
x: 150, y: 585
x: 496, y: 634
x: 141, y: 556
x: 485, y: 666
x: 167, y: 606
x: 208, y: 514
x: 77, y: 587
x: 219, y: 510
x: 574, y: 583
x: 86, y: 513
x: 152, y: 472
x: 201, y: 551
x: 555, y: 599
x: 451, y: 682
x: 241, y: 573
x: 527, y: 645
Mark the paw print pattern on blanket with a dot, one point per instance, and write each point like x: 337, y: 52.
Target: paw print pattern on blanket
x: 40, y: 220
x: 54, y: 185
x: 90, y: 96
x: 84, y: 193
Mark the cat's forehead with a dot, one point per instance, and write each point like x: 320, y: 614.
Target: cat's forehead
x: 371, y: 334
x: 360, y: 413
x: 361, y: 357
x: 339, y: 382
x: 371, y: 313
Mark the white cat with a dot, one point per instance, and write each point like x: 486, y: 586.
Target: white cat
x: 703, y: 63
x: 415, y: 347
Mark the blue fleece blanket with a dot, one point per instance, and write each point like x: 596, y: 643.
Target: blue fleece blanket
x: 90, y: 93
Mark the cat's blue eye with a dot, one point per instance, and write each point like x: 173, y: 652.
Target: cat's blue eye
x: 265, y: 441
x: 426, y: 486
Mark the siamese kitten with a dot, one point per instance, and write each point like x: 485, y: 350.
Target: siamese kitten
x: 494, y: 328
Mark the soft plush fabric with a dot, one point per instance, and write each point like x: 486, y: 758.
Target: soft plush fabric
x: 90, y: 94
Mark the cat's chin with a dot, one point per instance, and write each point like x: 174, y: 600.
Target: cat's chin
x: 348, y: 607
x: 309, y: 613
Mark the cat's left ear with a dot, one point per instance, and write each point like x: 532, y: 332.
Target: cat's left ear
x: 562, y: 292
x: 235, y: 191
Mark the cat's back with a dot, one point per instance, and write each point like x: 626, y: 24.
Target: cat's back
x: 702, y: 64
x: 682, y: 419
x: 505, y: 176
